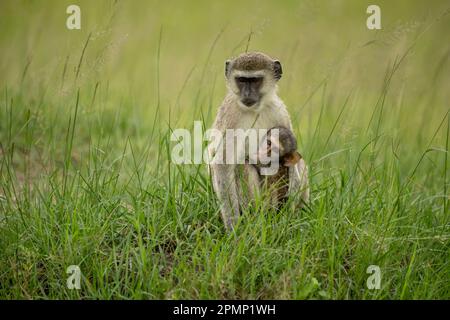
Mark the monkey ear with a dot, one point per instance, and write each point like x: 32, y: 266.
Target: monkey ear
x: 227, y: 67
x: 277, y: 70
x: 292, y: 159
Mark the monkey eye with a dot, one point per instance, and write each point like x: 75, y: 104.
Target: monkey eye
x: 269, y: 143
x: 249, y: 79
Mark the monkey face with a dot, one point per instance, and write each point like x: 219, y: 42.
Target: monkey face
x: 274, y: 150
x: 282, y: 139
x: 249, y: 89
x: 279, y: 145
x: 271, y: 147
x: 252, y: 77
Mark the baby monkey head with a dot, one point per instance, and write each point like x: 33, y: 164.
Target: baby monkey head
x: 251, y: 77
x: 280, y: 141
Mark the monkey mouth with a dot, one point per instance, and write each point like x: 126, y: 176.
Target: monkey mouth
x: 249, y: 102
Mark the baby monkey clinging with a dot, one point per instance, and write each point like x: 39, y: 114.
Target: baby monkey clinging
x: 281, y: 142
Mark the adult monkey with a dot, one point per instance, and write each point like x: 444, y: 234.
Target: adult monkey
x: 251, y: 102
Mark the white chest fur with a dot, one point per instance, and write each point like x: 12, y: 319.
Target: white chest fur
x: 270, y: 115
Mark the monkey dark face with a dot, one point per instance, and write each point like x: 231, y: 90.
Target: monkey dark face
x: 283, y: 143
x: 249, y: 89
x: 252, y: 77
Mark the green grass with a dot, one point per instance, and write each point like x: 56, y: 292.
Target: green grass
x: 85, y: 171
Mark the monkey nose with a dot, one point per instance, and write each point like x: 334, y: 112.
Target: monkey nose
x: 248, y: 102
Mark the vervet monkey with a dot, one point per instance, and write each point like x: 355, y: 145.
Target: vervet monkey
x: 251, y: 102
x: 284, y: 145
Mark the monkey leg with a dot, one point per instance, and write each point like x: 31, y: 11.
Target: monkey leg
x: 225, y: 187
x: 299, y: 182
x: 248, y: 184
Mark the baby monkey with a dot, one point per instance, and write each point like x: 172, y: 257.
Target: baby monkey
x: 282, y: 145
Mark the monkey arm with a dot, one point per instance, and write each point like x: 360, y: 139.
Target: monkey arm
x: 298, y: 174
x: 298, y: 181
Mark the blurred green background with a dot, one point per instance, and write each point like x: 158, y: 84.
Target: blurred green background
x: 317, y: 42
